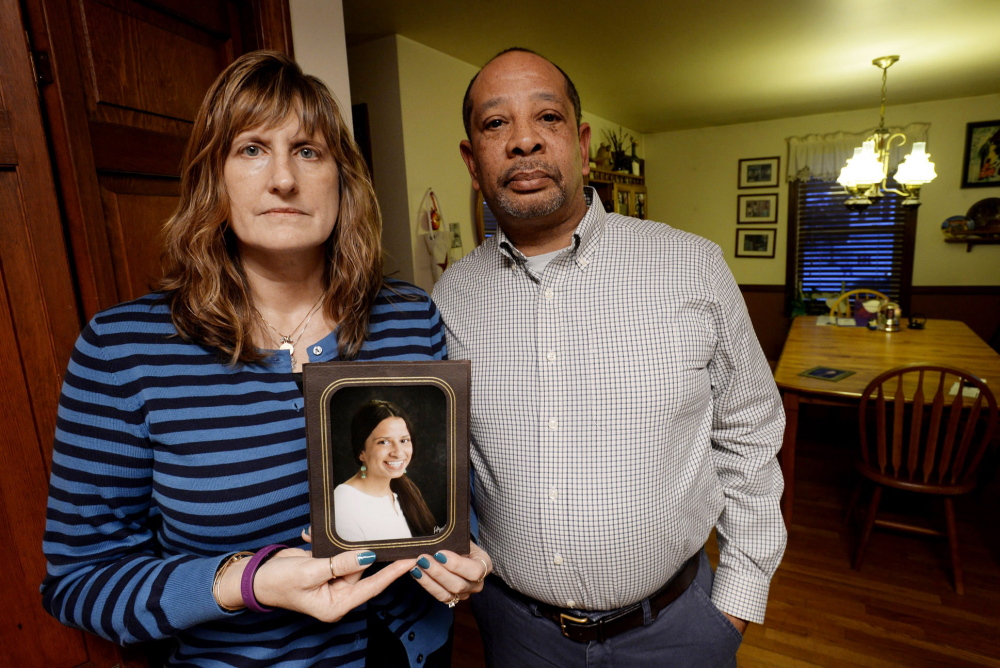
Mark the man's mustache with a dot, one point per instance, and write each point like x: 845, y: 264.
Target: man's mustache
x: 534, y: 168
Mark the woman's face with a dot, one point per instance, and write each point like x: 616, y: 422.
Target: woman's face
x: 388, y: 449
x: 284, y: 190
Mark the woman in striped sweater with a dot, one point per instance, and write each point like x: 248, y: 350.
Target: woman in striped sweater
x: 180, y: 444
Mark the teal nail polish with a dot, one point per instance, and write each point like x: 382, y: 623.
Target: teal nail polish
x: 440, y: 557
x: 423, y: 563
x: 366, y: 558
x: 417, y: 573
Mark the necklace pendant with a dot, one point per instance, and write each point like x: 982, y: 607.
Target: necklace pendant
x: 287, y: 345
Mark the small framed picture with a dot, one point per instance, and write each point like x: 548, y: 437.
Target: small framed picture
x: 981, y: 167
x: 826, y: 373
x: 755, y: 242
x: 388, y: 457
x: 757, y: 208
x: 759, y: 172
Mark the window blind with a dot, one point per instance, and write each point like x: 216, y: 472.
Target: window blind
x: 839, y: 249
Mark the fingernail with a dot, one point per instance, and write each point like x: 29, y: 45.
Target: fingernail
x: 440, y: 557
x: 423, y: 563
x: 366, y: 558
x: 417, y: 573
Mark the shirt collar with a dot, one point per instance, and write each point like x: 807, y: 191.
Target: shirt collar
x: 586, y: 236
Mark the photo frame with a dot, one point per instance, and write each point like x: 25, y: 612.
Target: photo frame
x: 755, y: 242
x: 981, y: 166
x: 762, y: 208
x: 759, y: 172
x: 429, y: 407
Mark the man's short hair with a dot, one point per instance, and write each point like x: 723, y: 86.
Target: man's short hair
x: 574, y: 97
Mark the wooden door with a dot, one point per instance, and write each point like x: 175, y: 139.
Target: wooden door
x: 38, y: 324
x: 127, y: 79
x: 101, y: 94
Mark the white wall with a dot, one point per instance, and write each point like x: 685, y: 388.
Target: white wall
x: 691, y: 177
x: 320, y: 46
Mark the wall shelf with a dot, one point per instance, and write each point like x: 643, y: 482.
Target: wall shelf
x: 988, y: 241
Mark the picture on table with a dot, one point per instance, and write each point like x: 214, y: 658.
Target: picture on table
x: 759, y: 172
x: 826, y: 373
x: 755, y: 242
x: 757, y: 208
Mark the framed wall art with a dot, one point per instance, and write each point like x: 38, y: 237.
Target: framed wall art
x: 981, y: 167
x: 388, y: 453
x: 761, y: 208
x: 759, y: 172
x: 755, y: 242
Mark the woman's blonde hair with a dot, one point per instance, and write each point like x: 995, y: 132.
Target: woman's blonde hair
x: 210, y: 298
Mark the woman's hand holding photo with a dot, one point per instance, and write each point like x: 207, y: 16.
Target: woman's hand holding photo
x: 451, y: 577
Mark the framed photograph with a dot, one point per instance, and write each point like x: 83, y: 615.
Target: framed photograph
x: 755, y: 242
x: 759, y: 172
x: 757, y: 208
x: 826, y: 373
x: 981, y: 167
x: 388, y: 452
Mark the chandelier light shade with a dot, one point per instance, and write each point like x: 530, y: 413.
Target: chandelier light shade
x: 865, y: 174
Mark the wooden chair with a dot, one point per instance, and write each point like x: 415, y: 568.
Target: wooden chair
x: 915, y: 436
x: 844, y: 305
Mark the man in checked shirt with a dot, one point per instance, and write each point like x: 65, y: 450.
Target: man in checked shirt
x: 621, y: 406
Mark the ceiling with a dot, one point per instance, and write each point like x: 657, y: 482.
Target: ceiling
x: 654, y: 66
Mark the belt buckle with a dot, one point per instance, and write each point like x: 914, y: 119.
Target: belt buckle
x: 563, y: 618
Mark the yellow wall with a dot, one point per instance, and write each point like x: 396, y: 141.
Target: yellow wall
x: 691, y: 177
x: 414, y: 95
x: 431, y: 86
x: 376, y: 83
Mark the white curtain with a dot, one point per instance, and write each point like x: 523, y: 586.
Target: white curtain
x: 823, y: 156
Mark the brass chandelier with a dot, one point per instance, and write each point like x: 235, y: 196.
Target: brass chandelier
x: 865, y: 175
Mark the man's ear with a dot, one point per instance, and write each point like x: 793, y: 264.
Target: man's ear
x: 465, y: 148
x: 585, y: 146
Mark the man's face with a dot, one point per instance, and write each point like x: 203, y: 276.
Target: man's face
x: 526, y: 154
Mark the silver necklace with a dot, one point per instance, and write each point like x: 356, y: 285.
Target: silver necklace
x: 288, y: 341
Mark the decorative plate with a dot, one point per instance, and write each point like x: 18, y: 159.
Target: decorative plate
x: 986, y: 213
x: 957, y: 226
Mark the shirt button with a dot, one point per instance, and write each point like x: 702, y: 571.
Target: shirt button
x: 548, y: 294
x: 553, y: 494
x: 412, y: 635
x: 553, y: 424
x: 420, y: 658
x: 557, y: 560
x: 317, y: 350
x: 584, y: 262
x: 570, y: 603
x: 551, y: 355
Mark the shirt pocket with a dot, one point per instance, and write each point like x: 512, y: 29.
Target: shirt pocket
x: 649, y: 365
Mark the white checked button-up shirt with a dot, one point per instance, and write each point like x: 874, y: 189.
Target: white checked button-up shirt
x: 621, y: 408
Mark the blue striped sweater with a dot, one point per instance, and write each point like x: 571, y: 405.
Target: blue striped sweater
x: 167, y: 460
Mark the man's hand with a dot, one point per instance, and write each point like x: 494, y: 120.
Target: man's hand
x: 740, y: 624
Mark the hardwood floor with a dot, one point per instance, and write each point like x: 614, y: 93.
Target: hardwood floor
x: 899, y: 610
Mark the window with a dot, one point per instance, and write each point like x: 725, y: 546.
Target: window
x: 831, y: 249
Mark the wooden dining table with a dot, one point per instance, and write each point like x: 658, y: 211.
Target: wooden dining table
x: 867, y: 353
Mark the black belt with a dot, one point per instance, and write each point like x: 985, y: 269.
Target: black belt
x: 630, y: 617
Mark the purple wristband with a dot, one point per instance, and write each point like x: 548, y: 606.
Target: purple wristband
x: 246, y: 583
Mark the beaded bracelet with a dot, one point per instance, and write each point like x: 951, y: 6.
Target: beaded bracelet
x: 239, y: 556
x: 246, y: 584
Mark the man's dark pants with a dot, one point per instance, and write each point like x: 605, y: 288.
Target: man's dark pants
x: 691, y: 631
